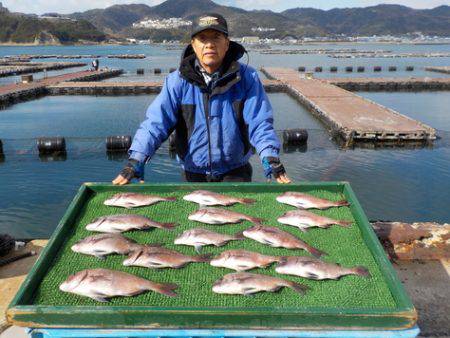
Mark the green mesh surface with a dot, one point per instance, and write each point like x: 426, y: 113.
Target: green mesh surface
x: 343, y: 245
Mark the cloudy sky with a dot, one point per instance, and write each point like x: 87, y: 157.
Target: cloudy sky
x: 70, y: 6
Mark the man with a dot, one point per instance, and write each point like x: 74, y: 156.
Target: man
x: 218, y: 110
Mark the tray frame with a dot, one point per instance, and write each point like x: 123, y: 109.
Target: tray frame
x: 22, y: 312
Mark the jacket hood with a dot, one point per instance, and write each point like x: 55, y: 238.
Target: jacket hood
x: 187, y: 64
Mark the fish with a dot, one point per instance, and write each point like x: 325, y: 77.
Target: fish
x: 242, y: 260
x: 133, y: 200
x: 122, y: 223
x: 210, y: 198
x: 279, y: 239
x: 199, y: 237
x: 245, y: 283
x: 102, y: 284
x: 305, y: 201
x: 313, y: 268
x: 221, y: 216
x: 303, y: 220
x: 105, y: 244
x: 158, y: 257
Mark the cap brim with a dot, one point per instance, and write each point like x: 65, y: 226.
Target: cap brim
x: 206, y: 28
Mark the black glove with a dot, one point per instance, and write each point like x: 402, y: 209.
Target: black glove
x: 133, y: 169
x: 272, y: 166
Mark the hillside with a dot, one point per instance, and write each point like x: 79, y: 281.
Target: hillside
x: 18, y: 28
x: 298, y: 22
x: 378, y: 20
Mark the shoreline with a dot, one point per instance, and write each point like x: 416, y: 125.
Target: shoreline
x: 32, y: 44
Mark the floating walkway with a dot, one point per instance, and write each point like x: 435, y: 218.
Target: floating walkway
x: 23, y: 91
x: 445, y: 70
x: 129, y: 88
x: 348, y: 115
x: 390, y: 84
x: 9, y: 70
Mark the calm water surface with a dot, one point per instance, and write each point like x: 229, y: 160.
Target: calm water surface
x: 391, y: 184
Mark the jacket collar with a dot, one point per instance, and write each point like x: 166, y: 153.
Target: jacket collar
x: 228, y: 72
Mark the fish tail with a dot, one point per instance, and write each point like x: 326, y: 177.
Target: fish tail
x: 280, y: 259
x: 165, y: 289
x: 247, y: 200
x: 297, y: 287
x: 361, y: 271
x: 170, y: 199
x: 315, y: 252
x: 202, y: 258
x: 342, y: 203
x: 239, y: 235
x: 168, y: 226
x: 345, y: 224
x: 255, y: 220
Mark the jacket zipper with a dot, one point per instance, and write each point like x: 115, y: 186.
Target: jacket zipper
x: 206, y: 97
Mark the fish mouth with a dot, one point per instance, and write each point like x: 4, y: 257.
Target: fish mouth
x: 64, y: 287
x: 217, y: 283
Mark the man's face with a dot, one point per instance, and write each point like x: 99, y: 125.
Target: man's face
x: 210, y: 46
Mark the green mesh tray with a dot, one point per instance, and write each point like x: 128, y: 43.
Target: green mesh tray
x: 352, y: 301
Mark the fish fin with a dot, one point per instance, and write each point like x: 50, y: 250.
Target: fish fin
x: 102, y: 257
x: 239, y: 235
x: 198, y: 248
x: 361, y: 271
x: 249, y: 291
x: 167, y: 289
x: 168, y: 226
x: 342, y: 203
x: 170, y: 199
x: 344, y: 224
x: 255, y: 220
x: 100, y: 299
x: 202, y: 206
x: 243, y: 267
x: 247, y: 200
x: 303, y: 229
x: 311, y: 275
x: 202, y: 258
x: 315, y: 252
x: 297, y: 287
x: 265, y: 241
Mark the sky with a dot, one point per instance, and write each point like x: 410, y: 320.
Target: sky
x: 70, y: 6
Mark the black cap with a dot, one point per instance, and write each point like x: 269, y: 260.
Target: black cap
x: 209, y: 21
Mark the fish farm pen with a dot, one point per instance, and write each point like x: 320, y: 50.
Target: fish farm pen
x: 351, y: 306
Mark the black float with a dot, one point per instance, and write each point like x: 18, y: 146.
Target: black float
x: 118, y: 143
x: 49, y: 145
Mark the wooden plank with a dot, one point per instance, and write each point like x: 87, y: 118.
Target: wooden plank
x: 351, y: 116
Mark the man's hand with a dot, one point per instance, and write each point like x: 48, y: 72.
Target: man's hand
x: 273, y: 166
x: 133, y: 169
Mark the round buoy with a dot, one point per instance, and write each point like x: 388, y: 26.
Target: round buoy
x: 409, y: 68
x: 157, y: 70
x: 349, y: 69
x: 7, y: 243
x: 392, y: 68
x: 1, y: 147
x: 333, y: 69
x: 118, y: 143
x: 48, y: 145
x: 295, y: 136
x: 140, y: 71
x: 301, y: 69
x: 360, y: 69
x: 377, y: 69
x: 318, y: 69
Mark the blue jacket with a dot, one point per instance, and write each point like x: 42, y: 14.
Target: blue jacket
x: 215, y: 125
